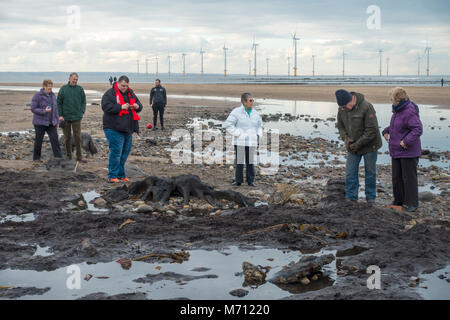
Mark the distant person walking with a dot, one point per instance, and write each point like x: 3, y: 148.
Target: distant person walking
x: 245, y: 125
x: 115, y: 79
x: 442, y: 82
x: 403, y: 136
x: 120, y: 120
x: 45, y: 119
x: 110, y: 80
x: 358, y: 128
x: 158, y: 102
x: 71, y: 108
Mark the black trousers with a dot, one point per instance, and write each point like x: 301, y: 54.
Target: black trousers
x: 52, y: 133
x: 404, y: 181
x: 158, y: 108
x: 249, y: 153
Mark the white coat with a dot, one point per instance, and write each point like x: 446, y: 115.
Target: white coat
x: 244, y: 128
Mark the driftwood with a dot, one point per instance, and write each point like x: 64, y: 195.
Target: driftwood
x: 155, y: 188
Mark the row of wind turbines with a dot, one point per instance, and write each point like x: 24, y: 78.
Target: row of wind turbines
x: 295, y: 39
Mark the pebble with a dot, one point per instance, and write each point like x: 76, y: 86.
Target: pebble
x: 144, y: 208
x: 239, y: 293
x: 305, y: 281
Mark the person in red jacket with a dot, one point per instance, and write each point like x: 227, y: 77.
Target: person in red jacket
x: 120, y: 120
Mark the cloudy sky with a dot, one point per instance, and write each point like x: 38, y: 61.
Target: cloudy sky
x: 111, y: 35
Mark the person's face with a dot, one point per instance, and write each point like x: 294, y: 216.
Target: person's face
x: 123, y: 86
x: 73, y: 80
x: 48, y: 88
x: 249, y: 102
x: 157, y: 83
x: 350, y: 105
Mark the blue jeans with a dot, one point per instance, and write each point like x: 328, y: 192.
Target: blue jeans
x: 352, y: 177
x: 119, y: 148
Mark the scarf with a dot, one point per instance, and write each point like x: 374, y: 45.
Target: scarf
x: 401, y: 104
x: 121, y: 101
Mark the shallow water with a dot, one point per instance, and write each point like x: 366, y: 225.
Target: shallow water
x: 89, y: 197
x: 27, y: 217
x: 224, y: 263
x: 437, y: 289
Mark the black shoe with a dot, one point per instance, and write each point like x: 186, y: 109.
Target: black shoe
x: 410, y: 208
x: 155, y: 128
x: 162, y: 129
x: 236, y: 184
x: 252, y: 184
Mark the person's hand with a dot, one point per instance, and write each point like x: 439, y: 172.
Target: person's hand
x: 57, y: 126
x: 125, y: 106
x: 151, y: 105
x: 347, y: 143
x: 354, y: 147
x: 386, y: 137
x: 61, y: 118
x: 48, y: 109
x: 402, y: 144
x: 135, y: 106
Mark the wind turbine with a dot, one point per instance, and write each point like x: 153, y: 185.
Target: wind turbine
x: 267, y: 61
x: 146, y: 67
x: 294, y: 43
x: 183, y: 56
x: 137, y: 60
x: 201, y: 54
x: 380, y: 52
x: 343, y: 62
x: 250, y: 67
x: 289, y: 66
x: 168, y: 58
x: 313, y: 60
x: 427, y: 52
x: 254, y: 49
x: 418, y: 64
x: 157, y: 66
x: 225, y: 60
x: 387, y: 66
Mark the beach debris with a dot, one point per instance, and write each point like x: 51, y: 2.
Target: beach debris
x: 88, y: 277
x: 307, y: 267
x: 125, y: 263
x: 254, y: 275
x: 128, y: 221
x: 177, y: 257
x: 155, y: 188
x: 283, y: 192
x: 100, y: 202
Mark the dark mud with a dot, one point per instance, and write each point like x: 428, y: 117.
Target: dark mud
x: 401, y: 244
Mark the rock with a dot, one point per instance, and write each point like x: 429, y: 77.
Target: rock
x: 256, y: 194
x: 239, y: 293
x: 414, y: 279
x: 296, y: 272
x: 426, y: 196
x: 139, y: 203
x: 125, y: 263
x: 88, y: 277
x: 296, y: 197
x: 283, y: 192
x: 305, y: 281
x: 134, y: 171
x: 315, y: 277
x: 253, y: 275
x: 100, y: 203
x: 144, y: 209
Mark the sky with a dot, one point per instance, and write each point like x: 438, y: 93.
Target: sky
x: 103, y: 36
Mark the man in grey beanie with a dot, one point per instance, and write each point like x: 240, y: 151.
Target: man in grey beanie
x: 358, y: 128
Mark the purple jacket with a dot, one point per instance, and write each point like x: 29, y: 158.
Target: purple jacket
x: 39, y: 103
x: 405, y: 125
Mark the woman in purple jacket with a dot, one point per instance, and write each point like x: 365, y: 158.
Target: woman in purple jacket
x: 403, y: 136
x: 45, y: 119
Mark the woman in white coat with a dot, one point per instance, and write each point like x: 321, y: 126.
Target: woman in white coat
x: 245, y: 125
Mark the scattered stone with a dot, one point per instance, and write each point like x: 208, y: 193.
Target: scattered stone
x: 239, y: 293
x: 145, y: 208
x: 426, y: 196
x: 305, y: 281
x: 100, y: 203
x: 88, y: 277
x: 254, y: 275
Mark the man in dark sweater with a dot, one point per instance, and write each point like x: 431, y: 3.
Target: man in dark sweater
x: 158, y: 101
x: 71, y: 108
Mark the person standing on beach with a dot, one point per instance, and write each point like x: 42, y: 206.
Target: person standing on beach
x: 245, y: 125
x: 158, y: 102
x: 442, y: 82
x: 358, y: 128
x: 120, y: 120
x: 45, y: 119
x: 71, y: 108
x: 403, y: 136
x: 110, y: 80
